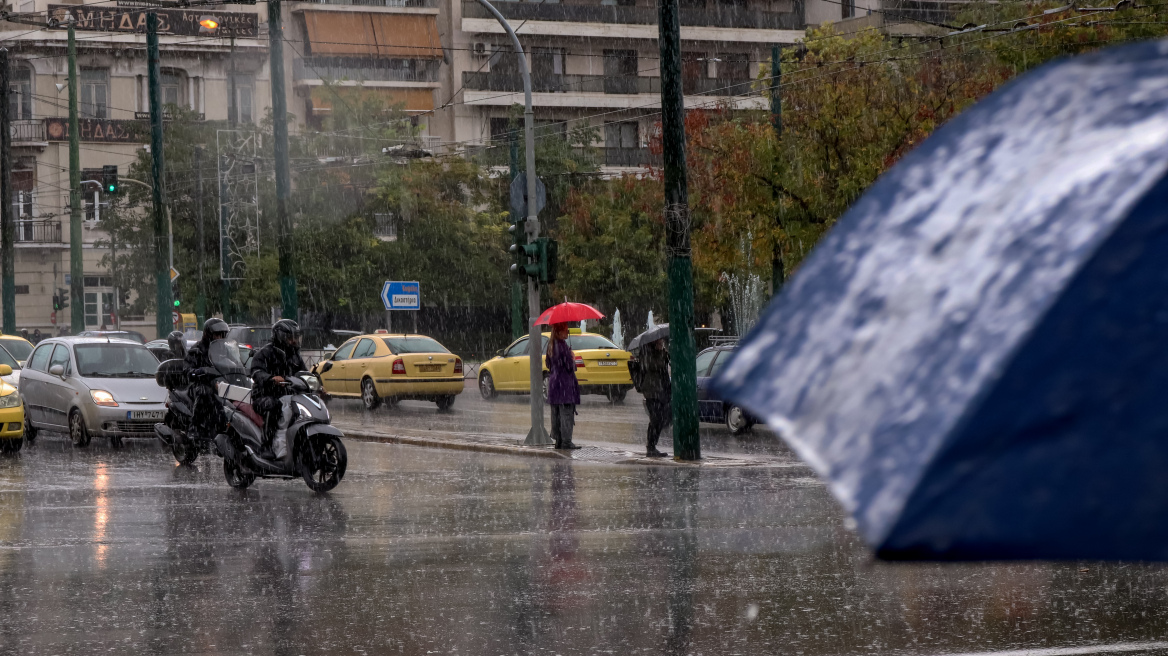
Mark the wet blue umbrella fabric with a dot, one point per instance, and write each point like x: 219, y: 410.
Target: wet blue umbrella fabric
x: 976, y: 357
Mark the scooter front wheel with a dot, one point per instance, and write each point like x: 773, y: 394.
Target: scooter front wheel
x: 235, y: 476
x: 184, y: 450
x: 328, y: 465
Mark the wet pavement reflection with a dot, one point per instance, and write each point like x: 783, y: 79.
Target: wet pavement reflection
x: 431, y: 551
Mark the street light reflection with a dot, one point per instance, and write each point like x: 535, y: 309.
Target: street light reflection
x: 101, y: 517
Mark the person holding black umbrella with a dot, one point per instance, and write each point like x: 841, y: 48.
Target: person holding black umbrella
x: 658, y: 390
x: 563, y: 390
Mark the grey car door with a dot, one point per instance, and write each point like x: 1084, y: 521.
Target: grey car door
x: 60, y: 391
x: 32, y: 383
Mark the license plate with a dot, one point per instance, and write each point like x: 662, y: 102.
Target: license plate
x: 145, y: 414
x: 608, y: 363
x: 429, y: 368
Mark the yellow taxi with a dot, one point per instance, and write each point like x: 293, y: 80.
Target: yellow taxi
x: 383, y: 367
x: 601, y: 367
x: 19, y: 347
x: 11, y: 415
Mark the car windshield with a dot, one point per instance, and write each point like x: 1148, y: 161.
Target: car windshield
x: 413, y: 345
x: 6, y: 358
x: 115, y: 361
x: 17, y: 347
x: 253, y: 337
x: 585, y: 342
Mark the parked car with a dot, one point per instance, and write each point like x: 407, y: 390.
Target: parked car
x: 92, y: 387
x: 161, y: 349
x: 601, y: 367
x: 132, y: 335
x: 11, y: 415
x: 19, y: 347
x: 711, y: 408
x: 387, y: 367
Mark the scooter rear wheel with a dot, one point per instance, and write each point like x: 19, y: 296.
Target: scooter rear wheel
x: 184, y: 450
x: 236, y: 478
x: 329, y: 467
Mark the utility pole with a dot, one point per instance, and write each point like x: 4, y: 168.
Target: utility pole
x: 76, y: 261
x: 517, y: 327
x: 158, y: 172
x: 682, y: 348
x: 201, y: 251
x: 283, y: 177
x: 777, y: 271
x: 7, y: 251
x: 537, y: 436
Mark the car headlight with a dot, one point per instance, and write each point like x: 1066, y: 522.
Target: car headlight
x: 10, y: 401
x: 102, y: 397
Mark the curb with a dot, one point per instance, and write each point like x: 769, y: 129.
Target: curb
x: 612, y: 457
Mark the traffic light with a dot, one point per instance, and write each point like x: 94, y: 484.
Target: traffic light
x: 518, y: 232
x: 62, y: 297
x: 109, y: 179
x: 56, y: 303
x: 174, y: 293
x: 542, y: 260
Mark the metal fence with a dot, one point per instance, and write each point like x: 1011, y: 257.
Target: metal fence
x: 717, y: 15
x: 27, y: 130
x: 43, y: 231
x: 628, y: 84
x: 364, y: 69
x: 378, y: 3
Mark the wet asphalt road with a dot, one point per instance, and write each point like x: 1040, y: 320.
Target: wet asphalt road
x: 423, y: 551
x: 598, y: 422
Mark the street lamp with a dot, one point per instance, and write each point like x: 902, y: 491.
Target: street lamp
x: 208, y: 25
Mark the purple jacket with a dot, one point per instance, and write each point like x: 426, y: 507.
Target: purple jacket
x: 562, y: 385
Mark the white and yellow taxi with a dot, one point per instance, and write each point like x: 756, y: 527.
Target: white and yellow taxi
x: 601, y: 367
x: 11, y: 415
x: 383, y: 367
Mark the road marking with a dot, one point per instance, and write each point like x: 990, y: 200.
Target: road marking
x: 1116, y: 648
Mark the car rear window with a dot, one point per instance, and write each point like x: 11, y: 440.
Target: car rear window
x: 115, y: 361
x: 413, y: 345
x: 6, y: 358
x: 585, y: 342
x: 17, y: 347
x: 254, y: 337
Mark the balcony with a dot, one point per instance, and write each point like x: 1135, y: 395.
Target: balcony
x: 603, y: 84
x: 716, y: 15
x: 498, y: 154
x: 365, y: 69
x: 429, y: 4
x: 30, y: 231
x: 27, y: 131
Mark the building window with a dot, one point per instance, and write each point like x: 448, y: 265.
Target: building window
x: 620, y: 71
x: 99, y: 307
x: 547, y: 62
x: 848, y: 8
x: 20, y: 100
x: 94, y: 93
x: 625, y: 134
x: 246, y: 103
x: 172, y: 89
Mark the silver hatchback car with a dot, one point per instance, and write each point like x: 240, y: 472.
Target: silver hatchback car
x: 90, y: 387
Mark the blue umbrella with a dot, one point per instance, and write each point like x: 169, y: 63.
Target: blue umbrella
x: 976, y: 357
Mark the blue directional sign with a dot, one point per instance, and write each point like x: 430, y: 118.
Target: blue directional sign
x: 401, y: 295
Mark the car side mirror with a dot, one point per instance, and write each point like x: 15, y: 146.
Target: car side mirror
x: 328, y: 364
x: 499, y: 353
x: 57, y: 370
x: 5, y: 370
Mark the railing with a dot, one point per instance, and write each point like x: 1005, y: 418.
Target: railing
x: 714, y: 16
x: 376, y: 3
x: 630, y: 157
x: 38, y: 231
x: 363, y: 69
x: 27, y: 130
x: 602, y: 84
x: 498, y: 154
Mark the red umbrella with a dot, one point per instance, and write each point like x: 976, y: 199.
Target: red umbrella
x: 566, y: 312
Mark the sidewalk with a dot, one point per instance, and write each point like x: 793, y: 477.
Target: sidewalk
x: 592, y: 451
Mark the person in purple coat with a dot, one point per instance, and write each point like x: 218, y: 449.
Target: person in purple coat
x: 563, y: 390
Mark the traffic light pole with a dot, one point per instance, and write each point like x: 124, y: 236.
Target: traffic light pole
x: 777, y: 267
x: 537, y: 436
x: 200, y: 297
x: 7, y: 234
x: 517, y: 327
x: 283, y: 177
x: 76, y: 261
x: 162, y: 322
x: 682, y: 348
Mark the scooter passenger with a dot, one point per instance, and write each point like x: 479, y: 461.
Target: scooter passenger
x: 271, y: 367
x: 207, y: 412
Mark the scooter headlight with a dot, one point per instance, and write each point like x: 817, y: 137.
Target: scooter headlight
x: 303, y: 410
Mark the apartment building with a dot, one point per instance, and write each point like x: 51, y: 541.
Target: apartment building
x: 111, y: 60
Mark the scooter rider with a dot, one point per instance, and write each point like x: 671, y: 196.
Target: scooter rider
x: 207, y: 413
x: 271, y: 366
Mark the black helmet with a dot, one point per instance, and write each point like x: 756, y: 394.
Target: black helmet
x: 215, y: 329
x: 286, y: 332
x: 177, y: 343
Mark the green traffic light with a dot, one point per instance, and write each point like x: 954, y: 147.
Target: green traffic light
x: 177, y: 302
x: 112, y: 189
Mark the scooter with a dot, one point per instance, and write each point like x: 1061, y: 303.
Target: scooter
x: 174, y: 429
x: 315, y: 450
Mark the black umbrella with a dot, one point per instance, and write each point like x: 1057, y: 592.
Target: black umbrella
x: 660, y: 331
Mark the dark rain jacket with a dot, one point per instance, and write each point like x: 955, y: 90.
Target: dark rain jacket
x: 655, y: 365
x: 207, y: 413
x: 269, y: 362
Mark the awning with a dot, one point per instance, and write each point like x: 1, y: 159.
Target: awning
x: 411, y: 36
x: 415, y: 100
